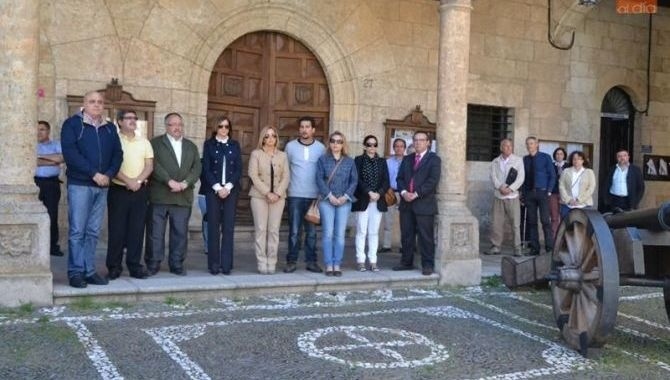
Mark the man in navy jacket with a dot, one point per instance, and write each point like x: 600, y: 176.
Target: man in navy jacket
x: 537, y: 186
x: 417, y: 180
x: 93, y: 155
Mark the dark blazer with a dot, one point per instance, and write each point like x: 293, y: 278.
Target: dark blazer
x: 634, y: 183
x: 545, y: 173
x: 212, y: 160
x: 361, y: 193
x: 167, y: 168
x: 426, y: 178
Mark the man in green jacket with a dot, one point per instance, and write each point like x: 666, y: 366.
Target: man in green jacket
x: 176, y: 170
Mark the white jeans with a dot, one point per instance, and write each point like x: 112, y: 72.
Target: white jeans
x: 367, y: 224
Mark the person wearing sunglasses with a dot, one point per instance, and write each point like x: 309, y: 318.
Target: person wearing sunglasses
x: 222, y: 171
x: 269, y: 174
x: 373, y: 182
x: 336, y: 178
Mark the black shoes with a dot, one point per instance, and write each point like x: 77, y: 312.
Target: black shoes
x: 178, y: 271
x: 114, y: 274
x: 290, y: 268
x: 96, y: 279
x: 141, y: 274
x: 57, y: 252
x: 77, y: 281
x: 153, y: 269
x: 403, y: 267
x: 384, y: 250
x: 427, y: 271
x: 314, y: 267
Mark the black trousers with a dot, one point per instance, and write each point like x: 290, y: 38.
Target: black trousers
x: 50, y: 196
x: 617, y: 202
x: 538, y: 200
x: 413, y: 226
x: 126, y: 215
x: 220, y: 230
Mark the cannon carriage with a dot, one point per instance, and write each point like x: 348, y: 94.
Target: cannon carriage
x: 593, y: 255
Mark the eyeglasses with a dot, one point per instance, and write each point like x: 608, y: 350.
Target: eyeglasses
x: 336, y: 141
x: 130, y: 118
x: 268, y: 136
x: 223, y: 126
x: 371, y: 145
x: 420, y: 139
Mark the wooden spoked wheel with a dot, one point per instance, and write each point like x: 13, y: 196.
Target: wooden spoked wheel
x: 584, y: 280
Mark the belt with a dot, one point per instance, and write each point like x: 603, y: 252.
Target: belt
x: 54, y: 178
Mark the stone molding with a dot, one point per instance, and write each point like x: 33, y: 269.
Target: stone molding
x: 318, y: 37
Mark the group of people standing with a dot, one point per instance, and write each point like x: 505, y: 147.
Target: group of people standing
x: 149, y: 185
x: 552, y: 187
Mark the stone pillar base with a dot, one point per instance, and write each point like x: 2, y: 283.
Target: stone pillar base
x: 25, y: 273
x: 458, y: 245
x: 33, y: 288
x: 461, y: 272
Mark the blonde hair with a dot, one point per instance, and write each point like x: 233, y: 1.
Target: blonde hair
x: 345, y: 146
x: 264, y: 131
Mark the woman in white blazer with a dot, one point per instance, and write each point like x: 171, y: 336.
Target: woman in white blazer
x: 577, y: 184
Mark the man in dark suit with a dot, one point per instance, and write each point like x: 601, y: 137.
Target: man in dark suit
x: 625, y: 186
x: 176, y: 170
x: 417, y: 180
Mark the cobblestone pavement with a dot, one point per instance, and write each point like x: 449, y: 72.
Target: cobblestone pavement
x: 480, y: 332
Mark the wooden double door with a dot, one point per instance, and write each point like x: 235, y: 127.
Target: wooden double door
x: 266, y: 78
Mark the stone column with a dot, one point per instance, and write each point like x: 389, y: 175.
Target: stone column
x: 458, y: 231
x: 25, y: 275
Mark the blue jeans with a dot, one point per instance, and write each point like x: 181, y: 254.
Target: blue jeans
x: 297, y: 208
x: 202, y: 205
x: 333, y: 227
x: 86, y: 208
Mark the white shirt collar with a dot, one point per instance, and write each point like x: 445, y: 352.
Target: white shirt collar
x: 172, y: 139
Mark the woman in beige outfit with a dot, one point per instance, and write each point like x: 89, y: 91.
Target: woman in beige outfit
x: 269, y: 173
x: 577, y: 184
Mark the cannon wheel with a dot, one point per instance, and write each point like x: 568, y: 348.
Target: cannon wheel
x: 585, y: 309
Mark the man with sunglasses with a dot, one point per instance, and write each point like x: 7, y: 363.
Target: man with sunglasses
x: 128, y: 200
x: 303, y: 154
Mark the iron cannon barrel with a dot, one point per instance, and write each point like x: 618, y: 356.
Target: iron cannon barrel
x: 655, y: 219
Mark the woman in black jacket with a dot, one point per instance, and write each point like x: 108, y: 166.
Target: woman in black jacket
x: 373, y: 182
x: 221, y: 171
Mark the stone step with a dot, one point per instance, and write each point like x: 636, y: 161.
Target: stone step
x: 201, y: 285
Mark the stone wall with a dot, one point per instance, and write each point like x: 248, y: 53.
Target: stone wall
x: 380, y: 58
x: 557, y: 95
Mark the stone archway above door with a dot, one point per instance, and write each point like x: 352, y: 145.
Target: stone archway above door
x: 266, y: 78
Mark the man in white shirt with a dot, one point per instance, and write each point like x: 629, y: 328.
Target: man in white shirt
x: 625, y: 186
x: 507, y: 176
x: 176, y: 170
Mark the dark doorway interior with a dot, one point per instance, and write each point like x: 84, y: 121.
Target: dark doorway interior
x: 616, y: 132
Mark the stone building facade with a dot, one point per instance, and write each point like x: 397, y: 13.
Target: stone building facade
x: 380, y: 58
